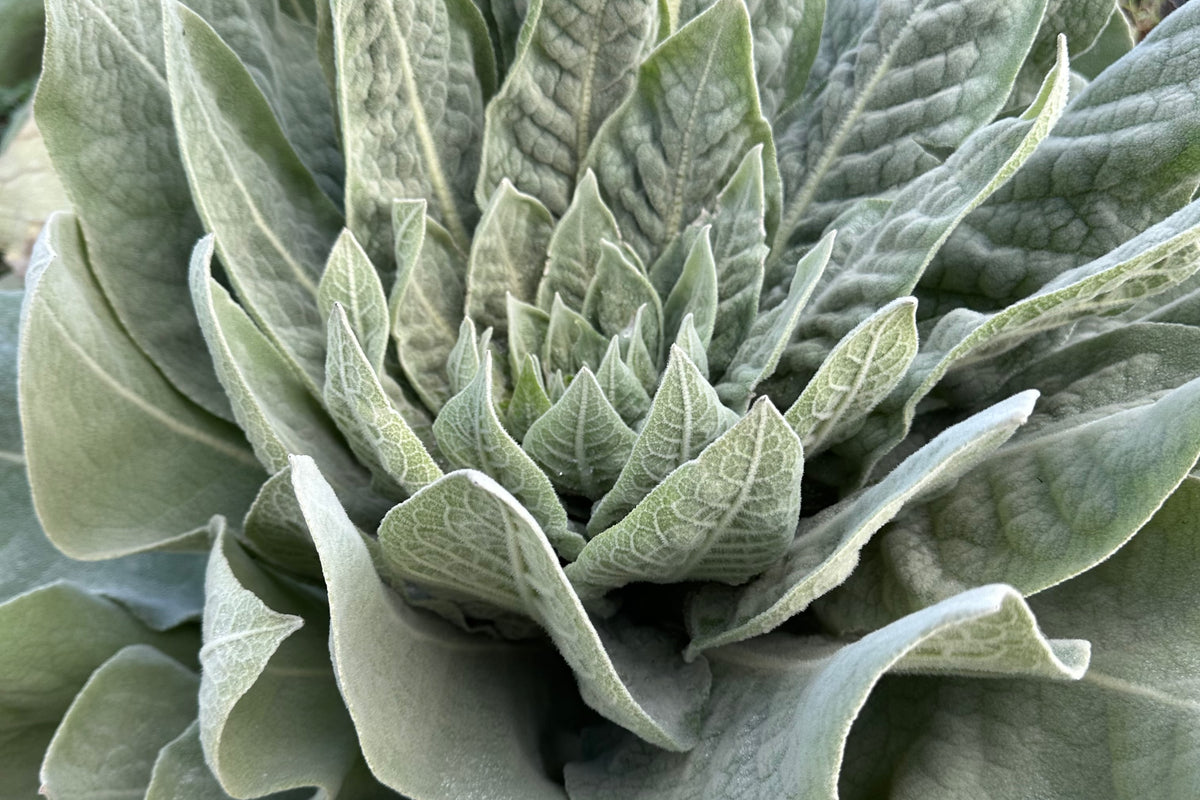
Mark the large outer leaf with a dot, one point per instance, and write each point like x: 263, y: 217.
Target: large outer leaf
x: 274, y: 226
x: 399, y: 670
x: 411, y: 105
x: 133, y: 705
x: 681, y: 135
x: 1123, y: 156
x: 1129, y: 730
x: 54, y: 637
x: 725, y: 516
x: 576, y: 61
x: 1041, y: 510
x: 95, y: 499
x: 921, y: 76
x: 105, y: 113
x: 782, y: 705
x: 468, y: 535
x: 271, y: 718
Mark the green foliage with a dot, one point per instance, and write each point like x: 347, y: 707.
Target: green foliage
x: 747, y: 400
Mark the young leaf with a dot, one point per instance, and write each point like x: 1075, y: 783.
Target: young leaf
x: 179, y: 771
x: 463, y: 361
x: 375, y: 430
x: 274, y: 528
x: 529, y: 399
x: 616, y: 293
x: 575, y: 63
x: 132, y: 216
x: 273, y: 238
x: 726, y: 516
x: 826, y: 548
x: 692, y: 346
x: 92, y: 498
x: 470, y: 435
x: 639, y: 683
x: 412, y: 79
x: 571, y: 342
x: 664, y: 152
x: 134, y: 704
x: 790, y: 700
x: 860, y: 372
x: 912, y: 82
x: 581, y: 442
x: 621, y: 386
x: 351, y: 281
x: 398, y: 668
x: 695, y: 293
x: 575, y: 245
x: 509, y: 245
x: 684, y: 418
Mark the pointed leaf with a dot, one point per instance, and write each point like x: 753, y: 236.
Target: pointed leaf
x: 94, y: 501
x: 581, y: 442
x: 692, y: 346
x: 637, y: 351
x: 789, y: 701
x: 351, y: 281
x: 470, y: 435
x: 508, y: 561
x: 179, y: 771
x: 375, y: 430
x: 726, y: 516
x: 683, y: 420
x: 860, y: 372
x: 412, y: 77
x: 398, y: 669
x: 463, y: 361
x: 575, y: 244
x: 571, y: 342
x: 826, y: 548
x: 273, y: 224
x: 681, y: 135
x: 695, y: 292
x: 621, y: 386
x: 119, y: 106
x: 507, y: 253
x: 616, y: 293
x: 274, y: 528
x: 575, y: 63
x: 529, y: 399
x: 527, y: 329
x: 920, y: 76
x: 786, y: 36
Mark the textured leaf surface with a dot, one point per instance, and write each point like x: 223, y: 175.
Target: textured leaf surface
x: 576, y: 61
x: 271, y: 718
x: 826, y: 547
x: 921, y: 76
x: 782, y: 705
x: 411, y: 105
x: 398, y: 669
x: 631, y: 676
x: 695, y: 293
x: 55, y: 636
x: 1126, y: 730
x: 76, y: 358
x: 105, y: 113
x: 350, y: 280
x: 470, y: 435
x: 1085, y: 487
x: 581, y: 442
x: 273, y: 224
x: 507, y: 248
x: 574, y: 247
x: 1121, y: 158
x: 616, y: 293
x: 134, y: 704
x: 726, y: 516
x: 787, y: 34
x: 681, y: 135
x: 179, y: 771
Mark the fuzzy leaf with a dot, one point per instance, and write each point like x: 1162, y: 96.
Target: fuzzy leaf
x: 616, y: 293
x: 581, y: 442
x: 726, y: 516
x: 920, y: 76
x: 351, y: 281
x: 786, y: 36
x: 134, y: 704
x: 575, y: 63
x: 695, y: 293
x: 621, y: 386
x: 470, y: 435
x: 509, y: 245
x: 574, y: 247
x: 95, y: 501
x: 789, y: 701
x: 397, y: 669
x: 826, y: 548
x: 683, y: 132
x: 628, y: 676
x: 571, y: 342
x: 274, y: 226
x: 179, y: 771
x: 274, y: 528
x: 684, y: 418
x: 529, y: 399
x: 412, y: 81
x: 527, y: 329
x: 375, y: 430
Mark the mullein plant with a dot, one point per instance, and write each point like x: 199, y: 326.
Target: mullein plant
x: 755, y: 399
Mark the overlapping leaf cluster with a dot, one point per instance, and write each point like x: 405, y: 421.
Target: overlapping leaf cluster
x: 597, y: 398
